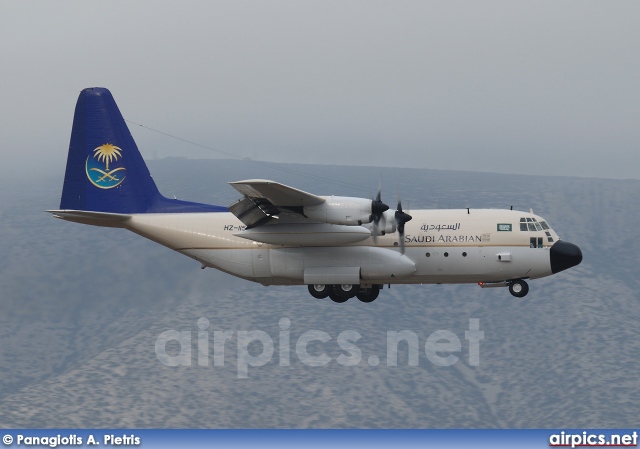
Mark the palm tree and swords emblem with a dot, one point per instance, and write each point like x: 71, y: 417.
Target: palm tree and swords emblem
x: 97, y: 167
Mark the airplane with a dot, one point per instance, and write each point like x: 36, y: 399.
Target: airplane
x: 340, y: 247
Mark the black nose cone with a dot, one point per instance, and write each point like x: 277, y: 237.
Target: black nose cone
x: 564, y: 255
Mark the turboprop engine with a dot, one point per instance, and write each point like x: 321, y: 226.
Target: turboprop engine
x: 344, y: 210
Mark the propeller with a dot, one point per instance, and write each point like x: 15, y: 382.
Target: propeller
x: 401, y: 219
x: 377, y: 209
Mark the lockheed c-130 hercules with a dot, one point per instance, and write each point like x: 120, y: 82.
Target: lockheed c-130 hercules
x: 340, y: 247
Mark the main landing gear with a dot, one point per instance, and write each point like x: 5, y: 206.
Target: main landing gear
x: 343, y: 292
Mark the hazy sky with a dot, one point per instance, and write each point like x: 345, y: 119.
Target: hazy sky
x: 516, y: 87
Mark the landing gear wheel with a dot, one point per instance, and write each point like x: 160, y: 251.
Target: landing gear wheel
x: 319, y: 291
x: 338, y: 298
x: 345, y: 291
x: 519, y: 288
x: 368, y: 294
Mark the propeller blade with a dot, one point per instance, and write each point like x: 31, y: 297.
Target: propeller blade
x: 374, y: 233
x: 377, y: 209
x: 401, y: 219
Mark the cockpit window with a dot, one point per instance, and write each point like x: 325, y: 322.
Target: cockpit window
x: 531, y: 224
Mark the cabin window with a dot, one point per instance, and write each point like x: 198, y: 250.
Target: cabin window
x: 532, y: 227
x: 523, y: 226
x: 550, y: 239
x: 544, y: 225
x: 535, y: 242
x: 538, y: 227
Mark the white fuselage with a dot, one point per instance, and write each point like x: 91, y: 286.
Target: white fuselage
x: 441, y: 246
x: 340, y: 247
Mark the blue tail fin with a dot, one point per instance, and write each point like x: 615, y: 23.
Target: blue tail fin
x: 105, y: 171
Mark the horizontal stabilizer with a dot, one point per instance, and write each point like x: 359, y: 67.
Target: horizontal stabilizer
x: 106, y: 219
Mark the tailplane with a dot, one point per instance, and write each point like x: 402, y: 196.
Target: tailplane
x: 105, y: 171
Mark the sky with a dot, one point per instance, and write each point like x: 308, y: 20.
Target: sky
x: 541, y: 88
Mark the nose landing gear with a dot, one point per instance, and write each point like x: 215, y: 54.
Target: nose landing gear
x: 518, y: 288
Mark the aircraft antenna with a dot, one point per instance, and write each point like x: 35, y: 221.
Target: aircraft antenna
x: 272, y: 165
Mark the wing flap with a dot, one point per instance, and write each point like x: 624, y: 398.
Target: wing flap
x: 253, y: 211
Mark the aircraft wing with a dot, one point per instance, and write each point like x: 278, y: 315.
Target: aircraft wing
x: 276, y: 193
x: 265, y: 200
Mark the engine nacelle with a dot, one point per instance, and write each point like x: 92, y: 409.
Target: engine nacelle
x: 388, y: 222
x: 342, y: 210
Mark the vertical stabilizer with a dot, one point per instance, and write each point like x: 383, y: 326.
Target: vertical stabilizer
x: 105, y: 171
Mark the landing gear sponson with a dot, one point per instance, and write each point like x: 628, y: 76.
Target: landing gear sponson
x: 343, y: 292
